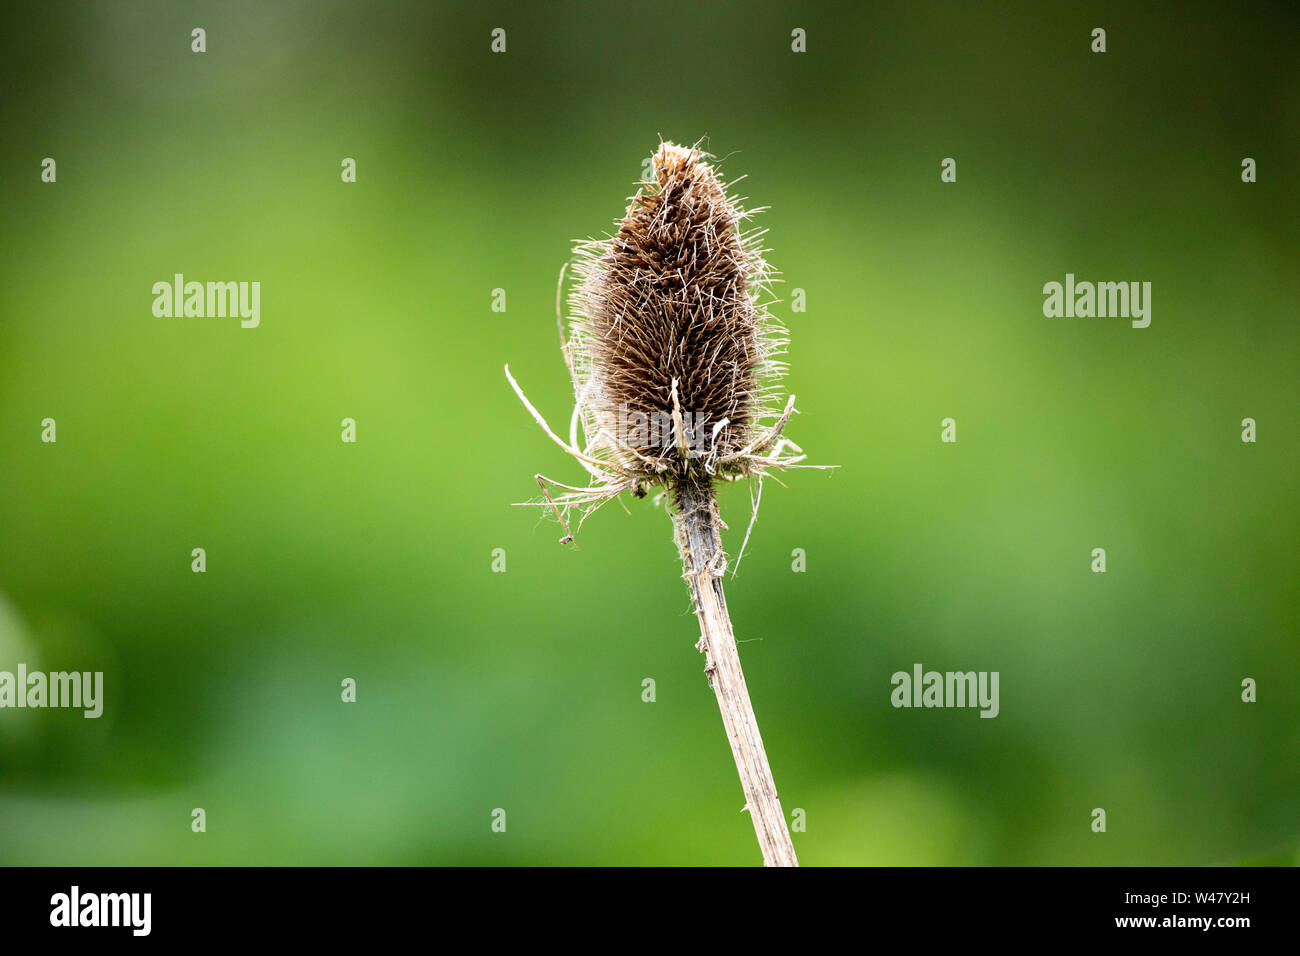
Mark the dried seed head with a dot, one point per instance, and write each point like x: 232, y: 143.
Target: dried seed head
x: 673, y: 349
x: 672, y: 352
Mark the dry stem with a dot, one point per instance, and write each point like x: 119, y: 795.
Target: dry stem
x: 696, y: 519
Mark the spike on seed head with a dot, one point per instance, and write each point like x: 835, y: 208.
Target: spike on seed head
x: 674, y: 354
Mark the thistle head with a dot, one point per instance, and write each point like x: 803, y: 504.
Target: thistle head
x: 673, y: 350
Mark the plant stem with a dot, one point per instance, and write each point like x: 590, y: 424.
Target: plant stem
x: 697, y: 523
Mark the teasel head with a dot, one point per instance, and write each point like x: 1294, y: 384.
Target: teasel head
x: 673, y: 354
x: 674, y: 361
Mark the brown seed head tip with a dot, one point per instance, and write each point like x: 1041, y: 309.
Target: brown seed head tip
x: 674, y: 350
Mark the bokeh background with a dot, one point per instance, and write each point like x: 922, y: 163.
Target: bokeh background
x: 522, y: 690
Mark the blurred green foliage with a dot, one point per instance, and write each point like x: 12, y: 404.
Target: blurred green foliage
x: 522, y: 690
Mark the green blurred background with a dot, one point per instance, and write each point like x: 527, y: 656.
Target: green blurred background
x: 522, y: 690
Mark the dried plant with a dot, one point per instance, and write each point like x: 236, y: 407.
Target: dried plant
x: 674, y: 360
